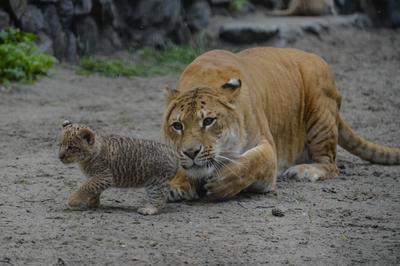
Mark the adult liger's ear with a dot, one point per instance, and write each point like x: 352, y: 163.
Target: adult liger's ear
x: 87, y: 135
x: 170, y: 93
x: 232, y: 88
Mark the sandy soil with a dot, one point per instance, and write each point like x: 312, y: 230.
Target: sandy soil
x: 350, y: 220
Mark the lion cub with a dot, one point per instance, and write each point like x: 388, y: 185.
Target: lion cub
x: 115, y: 161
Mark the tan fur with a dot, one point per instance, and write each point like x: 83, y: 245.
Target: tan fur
x: 113, y: 161
x: 282, y: 119
x: 307, y: 8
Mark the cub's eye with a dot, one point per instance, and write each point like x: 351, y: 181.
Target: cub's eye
x: 208, y: 121
x: 177, y: 126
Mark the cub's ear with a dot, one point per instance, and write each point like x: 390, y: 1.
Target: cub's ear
x: 87, y: 135
x: 232, y: 88
x: 66, y: 123
x: 170, y: 93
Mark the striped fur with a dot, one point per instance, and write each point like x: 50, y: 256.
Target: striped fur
x: 365, y: 149
x: 275, y: 112
x: 114, y: 161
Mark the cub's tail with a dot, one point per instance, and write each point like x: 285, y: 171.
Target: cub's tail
x: 357, y: 145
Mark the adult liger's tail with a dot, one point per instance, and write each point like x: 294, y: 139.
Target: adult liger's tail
x: 357, y: 145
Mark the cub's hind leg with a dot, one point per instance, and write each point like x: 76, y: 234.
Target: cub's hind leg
x: 322, y: 138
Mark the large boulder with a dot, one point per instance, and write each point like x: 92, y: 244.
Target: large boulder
x: 4, y: 19
x: 87, y: 35
x: 109, y: 40
x: 18, y: 7
x: 198, y: 15
x: 45, y: 43
x: 244, y: 33
x: 66, y: 12
x: 347, y: 6
x: 82, y: 7
x: 32, y: 19
x: 71, y: 53
x: 394, y: 12
x: 163, y: 13
x: 54, y: 29
x: 107, y: 11
x: 181, y: 34
x: 270, y: 4
x: 52, y: 25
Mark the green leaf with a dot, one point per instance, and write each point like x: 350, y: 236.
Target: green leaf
x: 20, y: 58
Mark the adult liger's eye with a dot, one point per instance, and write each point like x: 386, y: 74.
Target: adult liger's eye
x: 208, y: 121
x: 177, y: 126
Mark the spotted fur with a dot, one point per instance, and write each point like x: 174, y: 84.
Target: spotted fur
x: 115, y: 161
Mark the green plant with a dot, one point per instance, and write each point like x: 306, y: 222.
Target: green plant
x: 152, y: 63
x: 20, y: 58
x: 237, y: 5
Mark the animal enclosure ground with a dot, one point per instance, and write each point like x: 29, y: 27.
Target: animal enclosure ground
x: 350, y: 220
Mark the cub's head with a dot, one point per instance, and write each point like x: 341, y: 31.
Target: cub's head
x: 77, y: 143
x: 204, y: 126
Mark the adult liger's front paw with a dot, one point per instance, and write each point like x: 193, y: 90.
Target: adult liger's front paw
x: 179, y: 194
x: 223, y: 187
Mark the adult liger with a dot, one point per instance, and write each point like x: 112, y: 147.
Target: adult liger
x: 240, y: 120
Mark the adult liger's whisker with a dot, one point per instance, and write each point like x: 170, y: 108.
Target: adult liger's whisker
x: 229, y: 168
x: 217, y: 167
x: 229, y: 160
x: 230, y: 154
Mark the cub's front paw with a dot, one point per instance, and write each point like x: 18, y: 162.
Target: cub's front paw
x: 148, y: 210
x: 79, y: 200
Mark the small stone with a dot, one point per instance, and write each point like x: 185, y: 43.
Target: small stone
x: 277, y: 212
x: 60, y: 262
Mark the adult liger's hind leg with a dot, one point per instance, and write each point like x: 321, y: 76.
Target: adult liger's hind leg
x: 322, y: 138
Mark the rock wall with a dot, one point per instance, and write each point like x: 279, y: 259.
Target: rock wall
x: 68, y: 28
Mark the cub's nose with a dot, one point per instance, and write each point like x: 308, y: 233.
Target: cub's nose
x: 192, y: 152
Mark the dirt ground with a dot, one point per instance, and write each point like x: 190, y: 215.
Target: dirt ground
x: 350, y: 220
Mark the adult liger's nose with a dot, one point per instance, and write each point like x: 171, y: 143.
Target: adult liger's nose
x: 192, y: 152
